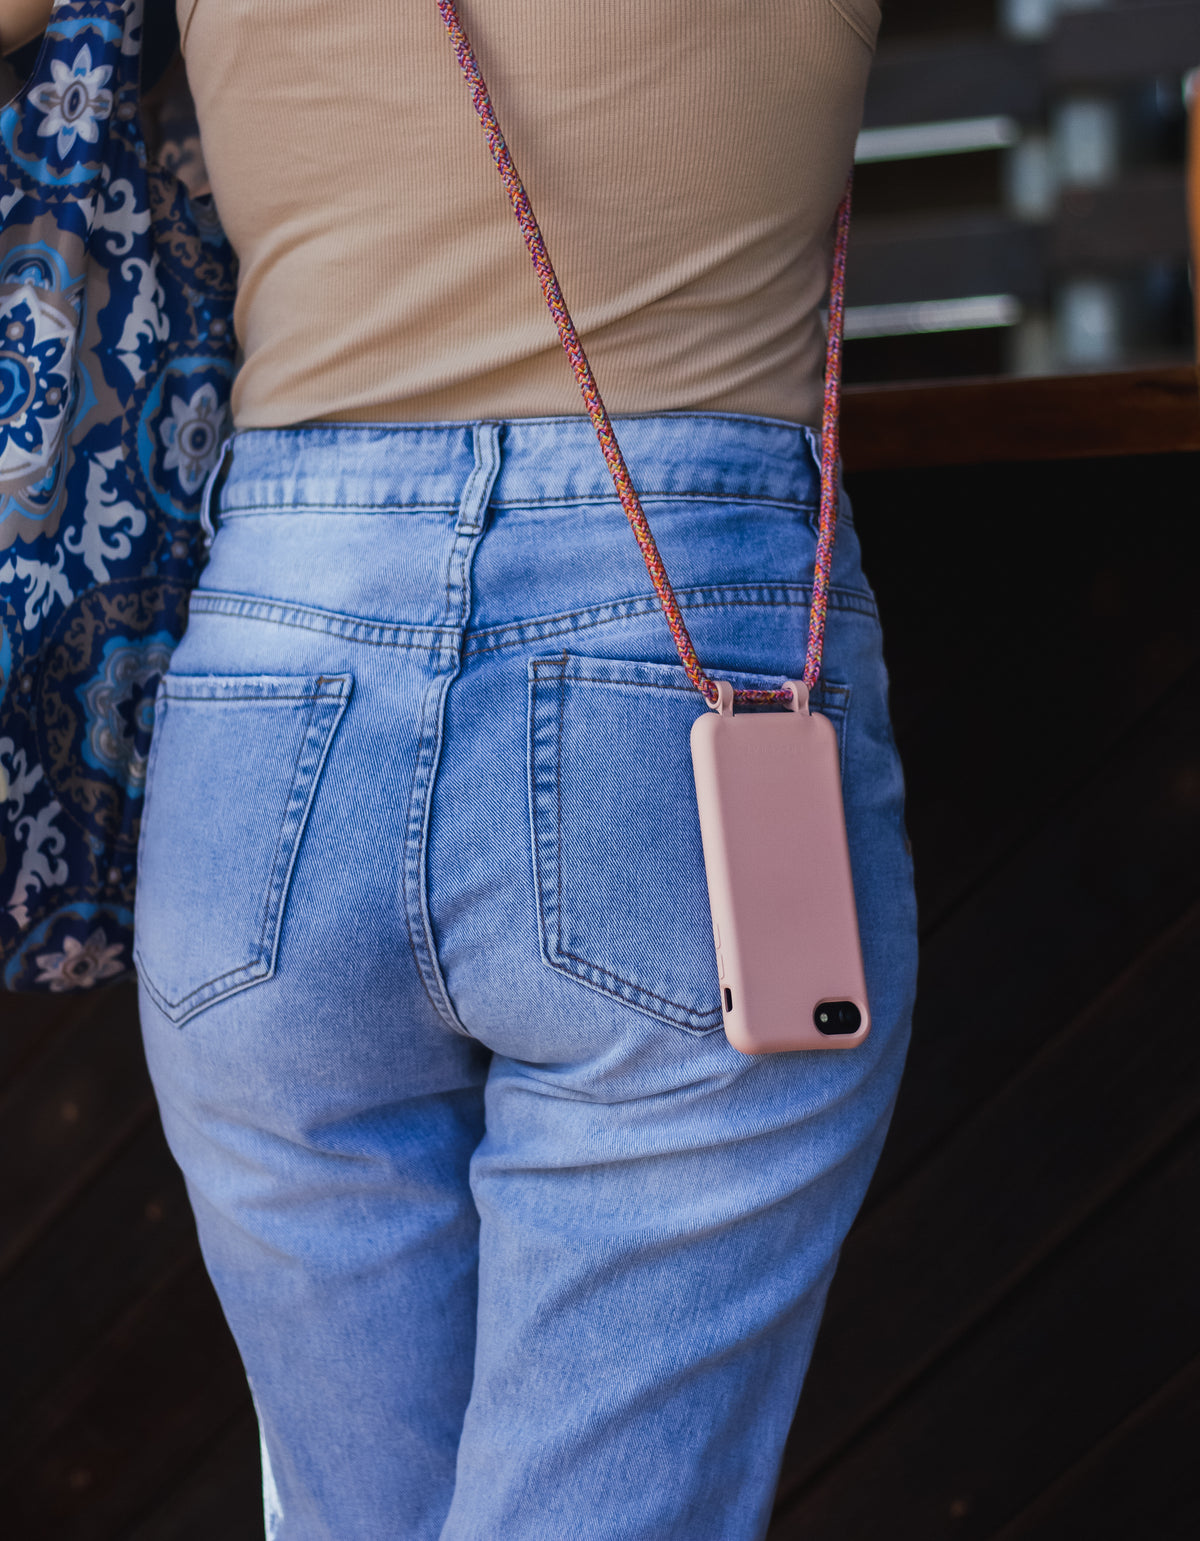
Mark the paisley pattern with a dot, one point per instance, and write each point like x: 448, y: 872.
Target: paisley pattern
x: 74, y: 101
x: 116, y: 362
x: 37, y: 364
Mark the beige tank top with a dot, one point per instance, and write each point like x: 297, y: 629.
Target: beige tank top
x: 684, y: 158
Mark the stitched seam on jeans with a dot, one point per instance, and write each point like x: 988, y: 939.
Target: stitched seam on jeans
x: 690, y: 1011
x: 459, y: 541
x: 210, y: 688
x: 211, y: 987
x: 704, y: 594
x: 558, y: 850
x: 422, y: 646
x: 412, y: 787
x: 821, y: 692
x: 342, y: 506
x: 315, y: 746
x: 271, y: 882
x: 628, y: 997
x: 445, y: 1008
x: 625, y: 684
x: 597, y: 498
x: 688, y: 415
x: 431, y: 639
x: 331, y: 622
x: 251, y: 971
x: 602, y: 500
x: 535, y: 790
x: 219, y: 979
x: 170, y: 695
x: 540, y: 628
x: 463, y: 536
x: 599, y: 679
x: 560, y: 950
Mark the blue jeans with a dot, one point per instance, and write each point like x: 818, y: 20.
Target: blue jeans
x: 515, y: 1247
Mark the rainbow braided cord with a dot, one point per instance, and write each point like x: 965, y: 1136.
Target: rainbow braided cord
x: 604, y: 430
x: 829, y: 448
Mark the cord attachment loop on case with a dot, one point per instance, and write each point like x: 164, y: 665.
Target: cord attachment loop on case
x: 601, y: 422
x: 723, y: 705
x: 794, y: 696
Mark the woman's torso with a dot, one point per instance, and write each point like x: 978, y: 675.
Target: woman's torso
x: 684, y: 158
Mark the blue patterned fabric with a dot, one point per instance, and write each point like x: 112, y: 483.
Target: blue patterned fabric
x: 116, y: 362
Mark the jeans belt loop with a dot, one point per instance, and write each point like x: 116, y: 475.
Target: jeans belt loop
x: 206, y: 497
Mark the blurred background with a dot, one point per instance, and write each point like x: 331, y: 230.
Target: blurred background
x: 1020, y: 189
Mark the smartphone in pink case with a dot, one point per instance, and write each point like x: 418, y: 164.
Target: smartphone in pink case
x: 769, y: 791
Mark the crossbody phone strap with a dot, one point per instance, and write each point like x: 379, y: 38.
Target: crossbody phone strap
x: 603, y: 425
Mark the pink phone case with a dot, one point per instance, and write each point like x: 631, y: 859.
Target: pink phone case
x: 769, y: 790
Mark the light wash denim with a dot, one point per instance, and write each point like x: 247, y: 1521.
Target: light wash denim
x: 515, y: 1247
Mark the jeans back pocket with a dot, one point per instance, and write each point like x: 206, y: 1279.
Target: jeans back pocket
x: 233, y: 769
x: 618, y: 863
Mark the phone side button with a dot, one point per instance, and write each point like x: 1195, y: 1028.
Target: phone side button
x: 720, y: 965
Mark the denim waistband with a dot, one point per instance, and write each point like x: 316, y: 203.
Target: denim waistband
x: 543, y: 460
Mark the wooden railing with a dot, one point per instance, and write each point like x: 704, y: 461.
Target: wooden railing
x: 1064, y: 417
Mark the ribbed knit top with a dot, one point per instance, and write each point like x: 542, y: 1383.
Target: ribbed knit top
x: 684, y: 158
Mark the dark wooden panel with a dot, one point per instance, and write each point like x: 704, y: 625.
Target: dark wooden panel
x: 904, y: 259
x: 1127, y: 42
x: 1140, y: 219
x: 974, y: 354
x: 1143, y: 1480
x: 974, y: 422
x: 981, y: 797
x: 1067, y: 1357
x: 997, y: 1197
x: 967, y: 77
x: 27, y: 1024
x: 953, y: 78
x: 1052, y: 926
x: 918, y: 18
x: 982, y: 794
x: 137, y: 1413
x: 221, y: 1500
x: 949, y: 254
x: 128, y: 1230
x: 65, y: 1118
x: 929, y: 184
x: 1014, y: 618
x: 1027, y: 648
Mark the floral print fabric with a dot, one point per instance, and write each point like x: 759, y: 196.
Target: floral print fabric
x: 116, y: 362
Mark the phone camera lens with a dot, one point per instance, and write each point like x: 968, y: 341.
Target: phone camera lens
x: 834, y: 1017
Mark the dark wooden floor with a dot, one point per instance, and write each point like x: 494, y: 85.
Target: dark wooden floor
x: 1012, y: 1347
